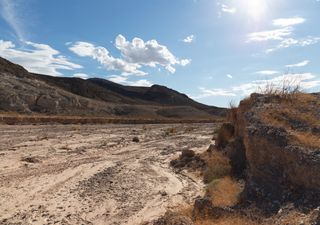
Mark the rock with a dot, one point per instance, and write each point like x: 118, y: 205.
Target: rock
x: 136, y: 139
x: 203, y: 208
x: 187, y: 153
x: 315, y: 217
x: 171, y: 218
x: 211, y: 148
x: 163, y: 193
x: 188, y: 159
x: 30, y: 159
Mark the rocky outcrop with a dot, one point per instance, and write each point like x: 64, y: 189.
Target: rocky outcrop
x: 263, y: 142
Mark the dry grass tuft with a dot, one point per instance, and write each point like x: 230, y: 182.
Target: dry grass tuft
x: 218, y: 166
x: 224, y: 192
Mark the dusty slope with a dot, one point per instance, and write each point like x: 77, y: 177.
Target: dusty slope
x: 94, y: 174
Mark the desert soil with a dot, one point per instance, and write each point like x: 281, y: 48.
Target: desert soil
x: 95, y: 174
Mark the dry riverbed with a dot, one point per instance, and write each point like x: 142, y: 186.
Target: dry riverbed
x: 95, y: 174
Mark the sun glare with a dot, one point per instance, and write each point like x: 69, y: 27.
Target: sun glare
x: 256, y: 9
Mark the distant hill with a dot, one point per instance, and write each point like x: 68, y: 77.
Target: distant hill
x: 27, y: 93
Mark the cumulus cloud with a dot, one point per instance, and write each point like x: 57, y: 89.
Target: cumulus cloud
x: 124, y: 81
x: 285, y: 22
x: 149, y: 53
x: 229, y: 76
x: 300, y: 64
x: 102, y: 55
x: 37, y: 58
x: 135, y: 55
x: 189, y: 39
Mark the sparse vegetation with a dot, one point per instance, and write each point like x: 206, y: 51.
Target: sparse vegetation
x: 286, y: 89
x: 217, y: 167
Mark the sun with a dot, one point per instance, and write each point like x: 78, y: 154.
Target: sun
x: 255, y: 9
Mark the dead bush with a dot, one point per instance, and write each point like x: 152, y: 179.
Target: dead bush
x: 223, y: 192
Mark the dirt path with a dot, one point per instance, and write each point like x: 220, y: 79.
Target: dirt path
x: 94, y: 174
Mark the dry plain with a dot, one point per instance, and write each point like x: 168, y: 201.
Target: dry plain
x: 95, y: 174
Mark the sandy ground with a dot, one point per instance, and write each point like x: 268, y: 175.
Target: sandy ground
x: 95, y: 174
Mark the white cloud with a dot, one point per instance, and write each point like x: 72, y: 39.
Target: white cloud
x: 291, y: 42
x: 37, y: 58
x: 205, y: 93
x: 305, y: 81
x: 184, y: 62
x: 149, y: 53
x: 102, y: 55
x: 285, y: 22
x: 267, y: 72
x: 228, y: 9
x: 124, y: 81
x: 300, y: 64
x: 229, y: 76
x: 189, y: 39
x: 135, y: 55
x: 276, y: 34
x: 9, y: 10
x: 81, y: 75
x: 284, y: 35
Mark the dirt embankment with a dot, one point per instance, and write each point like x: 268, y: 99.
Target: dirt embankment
x: 273, y: 143
x: 95, y: 174
x: 264, y: 167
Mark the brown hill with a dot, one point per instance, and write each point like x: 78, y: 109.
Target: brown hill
x: 26, y: 93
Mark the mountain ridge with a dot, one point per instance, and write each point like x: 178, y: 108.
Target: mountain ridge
x: 30, y: 93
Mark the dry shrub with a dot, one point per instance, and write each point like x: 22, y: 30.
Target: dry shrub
x: 189, y: 129
x: 285, y: 89
x: 185, y: 210
x: 224, y: 192
x: 171, y: 130
x: 218, y: 166
x: 232, y: 113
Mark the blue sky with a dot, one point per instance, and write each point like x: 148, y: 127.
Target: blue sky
x: 214, y: 51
